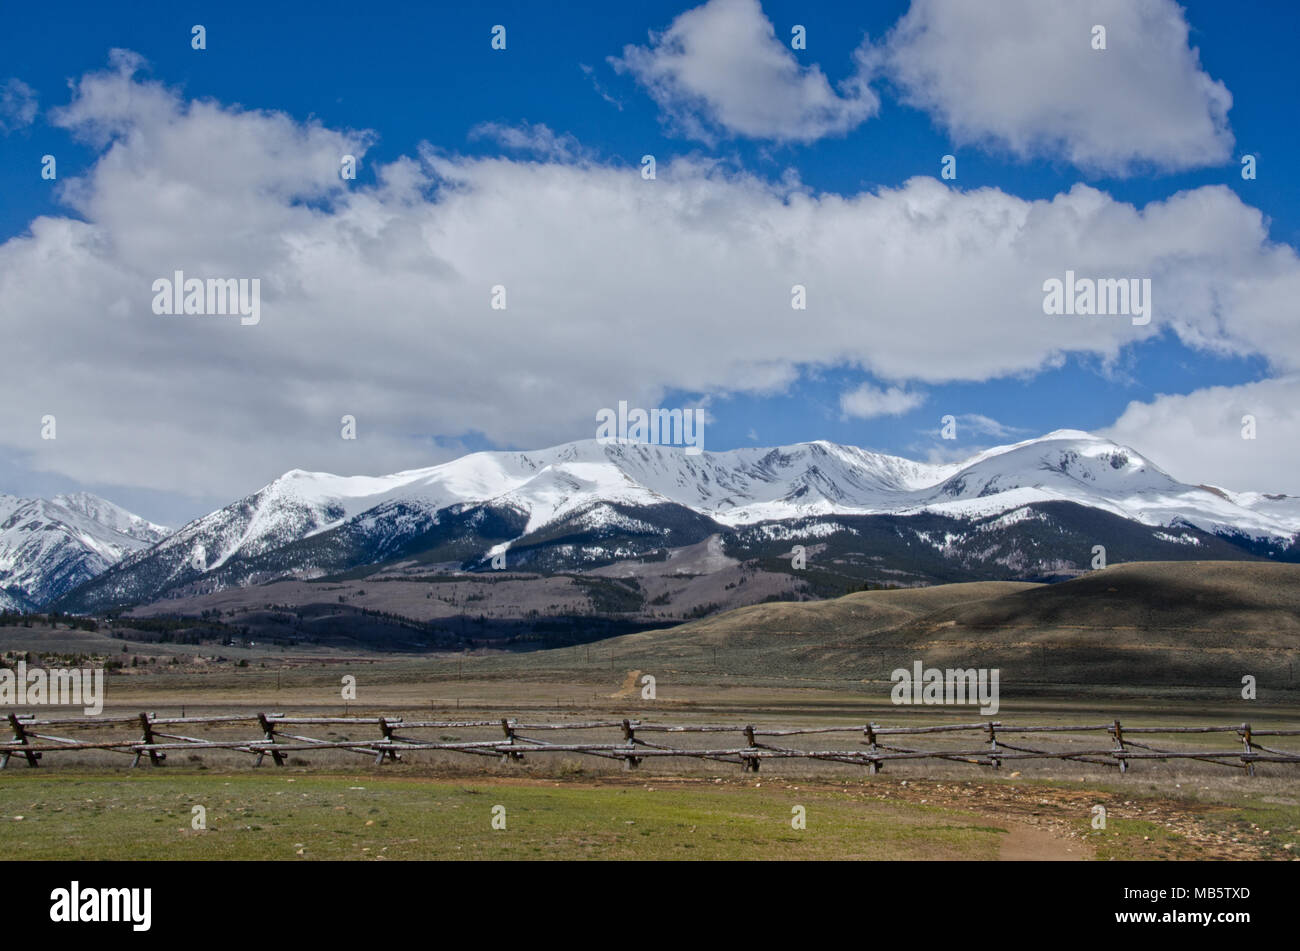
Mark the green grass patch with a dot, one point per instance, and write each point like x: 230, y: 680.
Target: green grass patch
x: 1274, y: 827
x: 1135, y: 839
x: 310, y: 816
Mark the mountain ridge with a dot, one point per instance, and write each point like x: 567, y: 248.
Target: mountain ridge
x: 583, y: 503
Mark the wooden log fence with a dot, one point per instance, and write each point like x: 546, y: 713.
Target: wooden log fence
x: 876, y: 743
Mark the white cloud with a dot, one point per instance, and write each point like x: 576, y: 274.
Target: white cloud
x: 590, y: 73
x: 938, y: 450
x: 942, y: 453
x: 1198, y: 437
x: 980, y: 425
x: 536, y: 138
x: 1021, y: 75
x: 375, y: 298
x: 17, y: 105
x: 721, y: 65
x: 867, y: 401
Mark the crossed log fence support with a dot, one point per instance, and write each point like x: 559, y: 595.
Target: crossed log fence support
x: 876, y: 748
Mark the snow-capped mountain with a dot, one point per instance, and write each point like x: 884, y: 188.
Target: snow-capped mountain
x: 50, y: 546
x: 587, y: 501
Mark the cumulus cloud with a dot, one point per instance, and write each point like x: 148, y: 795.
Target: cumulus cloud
x: 721, y: 66
x: 1198, y: 437
x: 17, y: 105
x: 867, y: 401
x: 376, y: 298
x: 1021, y: 75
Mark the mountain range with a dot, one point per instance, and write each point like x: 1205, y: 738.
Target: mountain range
x: 1031, y: 510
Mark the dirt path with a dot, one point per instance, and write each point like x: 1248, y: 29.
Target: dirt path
x: 1061, y: 815
x: 1025, y: 843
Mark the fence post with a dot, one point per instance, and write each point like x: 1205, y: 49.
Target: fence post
x: 629, y: 736
x: 870, y: 731
x: 20, y: 736
x: 269, y: 730
x: 155, y: 758
x: 386, y: 729
x: 1245, y: 739
x: 1119, y: 746
x: 750, y: 763
x: 993, y: 744
x: 509, y: 755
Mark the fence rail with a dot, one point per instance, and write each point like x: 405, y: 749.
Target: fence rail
x: 876, y: 744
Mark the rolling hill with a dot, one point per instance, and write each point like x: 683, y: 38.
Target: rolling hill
x: 1155, y: 624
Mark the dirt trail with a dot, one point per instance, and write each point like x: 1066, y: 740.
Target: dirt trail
x: 1056, y: 813
x: 1026, y: 844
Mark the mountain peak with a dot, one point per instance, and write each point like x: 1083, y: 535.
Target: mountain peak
x: 49, y: 546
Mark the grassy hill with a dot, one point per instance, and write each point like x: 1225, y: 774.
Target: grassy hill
x: 1139, y: 630
x: 1154, y: 623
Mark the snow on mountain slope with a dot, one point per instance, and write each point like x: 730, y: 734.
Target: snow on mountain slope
x: 1075, y: 466
x: 8, y: 503
x: 48, y: 547
x: 738, y: 486
x: 1283, y: 509
x: 297, y: 505
x: 113, y: 517
x: 558, y: 490
x: 602, y: 483
x: 10, y: 603
x: 741, y: 487
x: 746, y: 486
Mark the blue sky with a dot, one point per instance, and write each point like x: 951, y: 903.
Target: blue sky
x: 426, y: 74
